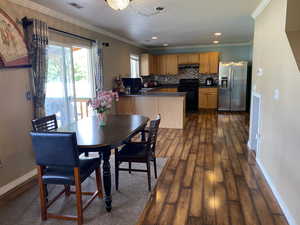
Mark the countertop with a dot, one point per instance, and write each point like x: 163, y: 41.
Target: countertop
x: 157, y: 94
x: 152, y: 92
x: 176, y: 85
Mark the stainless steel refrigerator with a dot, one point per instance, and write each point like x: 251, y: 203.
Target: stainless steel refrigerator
x: 232, y: 86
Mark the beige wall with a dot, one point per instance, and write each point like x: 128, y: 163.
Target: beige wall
x: 280, y: 128
x: 16, y: 112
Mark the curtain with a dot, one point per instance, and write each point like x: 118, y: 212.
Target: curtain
x: 97, y: 65
x: 37, y: 35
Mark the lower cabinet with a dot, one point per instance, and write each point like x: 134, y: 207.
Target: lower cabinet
x: 171, y: 109
x: 165, y: 90
x: 208, y: 98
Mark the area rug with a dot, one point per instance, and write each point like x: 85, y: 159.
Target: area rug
x: 128, y: 202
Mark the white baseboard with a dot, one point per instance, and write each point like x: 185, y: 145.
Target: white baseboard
x: 282, y: 204
x: 10, y: 186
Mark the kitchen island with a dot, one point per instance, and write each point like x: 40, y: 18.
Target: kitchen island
x: 170, y: 105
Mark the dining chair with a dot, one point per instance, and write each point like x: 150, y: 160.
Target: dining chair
x: 139, y: 152
x: 58, y: 162
x: 47, y: 123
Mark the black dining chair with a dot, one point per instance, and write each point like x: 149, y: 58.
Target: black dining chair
x: 139, y: 152
x: 58, y: 162
x: 47, y: 123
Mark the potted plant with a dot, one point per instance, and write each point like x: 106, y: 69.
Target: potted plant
x: 103, y: 103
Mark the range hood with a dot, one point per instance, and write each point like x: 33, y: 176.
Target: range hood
x: 188, y: 66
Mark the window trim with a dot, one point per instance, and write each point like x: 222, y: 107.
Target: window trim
x: 134, y: 57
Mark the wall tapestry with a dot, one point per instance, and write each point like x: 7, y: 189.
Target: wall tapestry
x: 13, y: 50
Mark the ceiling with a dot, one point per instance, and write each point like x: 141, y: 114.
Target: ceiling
x: 188, y: 22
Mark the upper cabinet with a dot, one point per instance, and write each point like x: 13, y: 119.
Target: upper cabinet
x: 188, y: 58
x: 147, y: 65
x: 172, y: 64
x: 209, y: 63
x: 168, y: 64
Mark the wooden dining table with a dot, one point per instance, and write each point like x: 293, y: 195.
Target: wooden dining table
x: 93, y: 138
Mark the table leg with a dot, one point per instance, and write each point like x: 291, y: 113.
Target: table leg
x: 107, y: 180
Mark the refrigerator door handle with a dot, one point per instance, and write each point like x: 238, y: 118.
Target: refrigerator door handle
x: 233, y: 76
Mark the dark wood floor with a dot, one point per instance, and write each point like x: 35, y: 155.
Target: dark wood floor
x: 210, y: 178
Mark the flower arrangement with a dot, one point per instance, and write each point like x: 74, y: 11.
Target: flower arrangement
x: 102, y: 103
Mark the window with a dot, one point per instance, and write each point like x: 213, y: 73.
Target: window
x: 135, y: 66
x: 69, y: 83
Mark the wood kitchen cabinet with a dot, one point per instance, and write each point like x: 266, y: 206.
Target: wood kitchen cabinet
x: 147, y: 64
x: 208, y: 98
x: 209, y: 62
x: 172, y: 64
x: 165, y: 90
x: 167, y: 64
x: 188, y: 58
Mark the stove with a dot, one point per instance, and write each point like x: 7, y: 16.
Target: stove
x: 191, y: 87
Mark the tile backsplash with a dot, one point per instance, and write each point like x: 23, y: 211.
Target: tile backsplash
x: 189, y: 73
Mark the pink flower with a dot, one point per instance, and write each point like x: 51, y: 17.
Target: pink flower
x: 103, y: 100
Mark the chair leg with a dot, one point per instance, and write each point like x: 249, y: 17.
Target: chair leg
x: 78, y: 196
x: 67, y: 190
x: 149, y: 175
x: 155, y: 168
x: 129, y: 167
x: 46, y: 192
x: 116, y: 169
x: 99, y: 183
x: 42, y: 188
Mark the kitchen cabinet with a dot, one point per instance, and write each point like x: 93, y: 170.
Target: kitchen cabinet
x: 204, y: 63
x: 172, y: 64
x: 167, y: 64
x: 171, y: 108
x: 165, y: 90
x: 208, y: 98
x: 209, y: 63
x: 214, y: 58
x: 188, y: 58
x: 147, y: 64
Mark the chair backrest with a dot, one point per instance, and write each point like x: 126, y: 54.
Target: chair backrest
x: 55, y: 149
x: 44, y: 124
x: 153, y: 130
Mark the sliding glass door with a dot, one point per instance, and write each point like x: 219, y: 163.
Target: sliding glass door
x: 68, y: 76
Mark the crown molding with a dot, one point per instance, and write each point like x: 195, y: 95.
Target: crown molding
x: 50, y: 12
x: 260, y: 8
x: 202, y: 46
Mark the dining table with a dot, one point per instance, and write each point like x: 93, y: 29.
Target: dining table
x: 91, y: 137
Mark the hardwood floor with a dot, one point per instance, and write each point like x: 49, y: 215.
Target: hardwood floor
x: 210, y: 179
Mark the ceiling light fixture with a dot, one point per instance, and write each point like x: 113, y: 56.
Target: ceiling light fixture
x: 154, y: 38
x: 216, y: 42
x: 118, y: 4
x: 165, y: 45
x: 218, y: 34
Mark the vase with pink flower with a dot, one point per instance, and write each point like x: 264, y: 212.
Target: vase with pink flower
x: 102, y: 103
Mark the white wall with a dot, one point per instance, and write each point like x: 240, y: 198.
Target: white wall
x: 280, y: 146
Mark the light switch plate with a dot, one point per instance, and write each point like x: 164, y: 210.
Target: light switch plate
x: 260, y: 72
x: 276, y: 94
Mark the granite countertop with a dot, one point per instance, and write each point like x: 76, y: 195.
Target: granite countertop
x: 150, y: 93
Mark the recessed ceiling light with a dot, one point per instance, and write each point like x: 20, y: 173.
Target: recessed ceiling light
x: 216, y: 42
x: 165, y: 45
x: 218, y: 34
x: 154, y: 38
